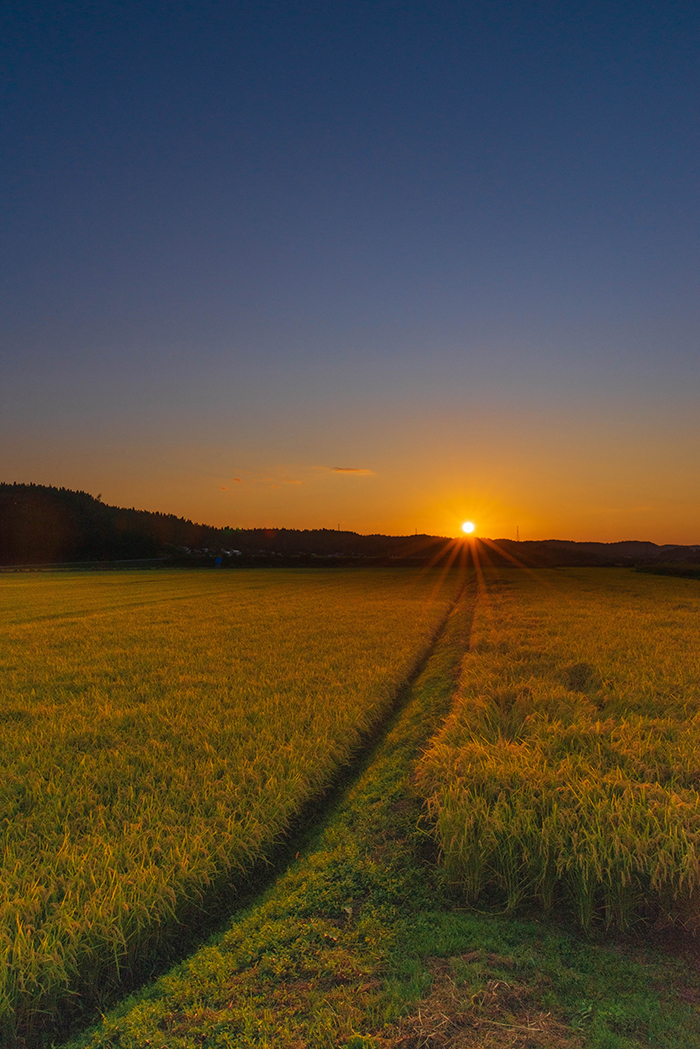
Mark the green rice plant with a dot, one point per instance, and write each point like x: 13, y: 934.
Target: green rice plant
x: 568, y: 769
x: 159, y: 730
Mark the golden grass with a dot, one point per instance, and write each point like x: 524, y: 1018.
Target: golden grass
x: 570, y: 766
x: 158, y: 733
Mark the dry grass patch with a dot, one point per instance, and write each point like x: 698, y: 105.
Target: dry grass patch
x: 501, y: 1014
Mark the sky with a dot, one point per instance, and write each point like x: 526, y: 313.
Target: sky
x: 373, y: 265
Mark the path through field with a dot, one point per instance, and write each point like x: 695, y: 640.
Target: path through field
x: 302, y: 965
x: 360, y: 943
x: 160, y: 733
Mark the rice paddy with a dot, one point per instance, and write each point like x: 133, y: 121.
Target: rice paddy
x: 159, y: 731
x: 569, y: 768
x: 360, y: 942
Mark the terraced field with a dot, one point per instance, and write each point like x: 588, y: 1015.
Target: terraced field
x: 159, y: 730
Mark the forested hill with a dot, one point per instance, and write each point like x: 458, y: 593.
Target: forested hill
x: 42, y: 525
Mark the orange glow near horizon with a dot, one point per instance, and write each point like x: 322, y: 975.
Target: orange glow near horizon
x: 365, y: 497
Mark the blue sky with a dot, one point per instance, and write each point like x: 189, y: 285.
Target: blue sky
x: 451, y: 245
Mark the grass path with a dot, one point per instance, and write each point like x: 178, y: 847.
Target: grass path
x: 359, y: 943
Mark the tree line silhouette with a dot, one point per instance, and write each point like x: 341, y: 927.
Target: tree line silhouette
x: 45, y: 525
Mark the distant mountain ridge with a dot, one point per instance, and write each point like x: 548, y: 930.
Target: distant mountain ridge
x: 46, y: 525
x: 564, y: 552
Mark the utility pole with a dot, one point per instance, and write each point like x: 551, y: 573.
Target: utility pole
x: 517, y: 533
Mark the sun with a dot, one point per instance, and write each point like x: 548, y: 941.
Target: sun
x: 468, y: 526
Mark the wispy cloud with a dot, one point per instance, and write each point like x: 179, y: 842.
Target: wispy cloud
x: 350, y: 470
x: 252, y: 480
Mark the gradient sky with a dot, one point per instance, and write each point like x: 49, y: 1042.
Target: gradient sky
x: 449, y: 248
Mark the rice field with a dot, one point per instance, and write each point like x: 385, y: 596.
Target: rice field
x: 569, y: 769
x: 159, y: 731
